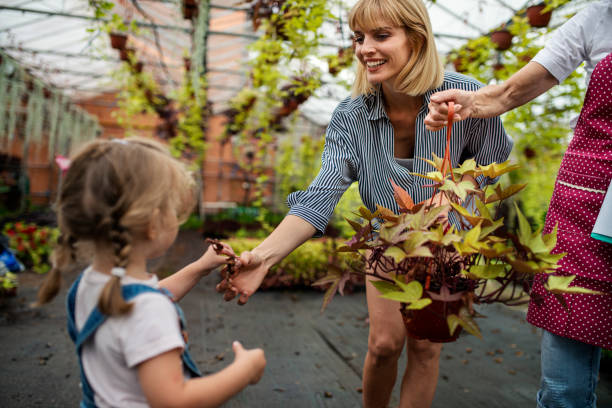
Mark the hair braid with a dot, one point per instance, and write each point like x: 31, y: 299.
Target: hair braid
x: 64, y: 252
x: 111, y: 300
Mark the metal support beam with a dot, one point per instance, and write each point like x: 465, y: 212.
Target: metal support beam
x: 84, y: 17
x: 77, y: 55
x: 458, y: 17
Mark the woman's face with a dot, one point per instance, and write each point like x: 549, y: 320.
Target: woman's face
x: 383, y: 51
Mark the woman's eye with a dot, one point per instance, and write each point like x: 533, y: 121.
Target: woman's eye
x: 381, y: 36
x: 358, y: 39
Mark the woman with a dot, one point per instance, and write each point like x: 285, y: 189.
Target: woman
x: 373, y: 137
x: 573, y: 337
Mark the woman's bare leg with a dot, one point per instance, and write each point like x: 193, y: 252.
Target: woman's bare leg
x: 385, y: 343
x: 421, y: 375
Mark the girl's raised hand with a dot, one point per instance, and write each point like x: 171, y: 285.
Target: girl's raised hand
x: 217, y: 254
x: 254, y: 361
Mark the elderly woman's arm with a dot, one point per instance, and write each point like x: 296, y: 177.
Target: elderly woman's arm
x: 492, y: 100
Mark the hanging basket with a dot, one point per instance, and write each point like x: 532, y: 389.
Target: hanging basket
x: 190, y: 10
x: 118, y: 40
x: 430, y: 323
x: 124, y: 54
x: 535, y: 16
x: 502, y: 39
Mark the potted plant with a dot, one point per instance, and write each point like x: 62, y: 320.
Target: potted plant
x: 438, y: 269
x: 189, y: 9
x: 117, y: 31
x: 538, y: 15
x: 501, y: 38
x: 343, y: 59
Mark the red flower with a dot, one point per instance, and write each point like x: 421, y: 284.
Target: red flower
x: 31, y: 229
x: 20, y: 248
x: 10, y: 233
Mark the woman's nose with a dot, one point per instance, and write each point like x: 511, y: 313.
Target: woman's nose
x: 367, y: 47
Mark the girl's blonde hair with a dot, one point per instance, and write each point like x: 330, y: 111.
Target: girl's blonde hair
x: 424, y: 70
x: 109, y: 196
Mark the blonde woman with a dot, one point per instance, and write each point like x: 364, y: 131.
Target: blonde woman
x: 376, y: 135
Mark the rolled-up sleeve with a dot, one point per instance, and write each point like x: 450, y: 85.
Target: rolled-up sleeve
x: 316, y: 204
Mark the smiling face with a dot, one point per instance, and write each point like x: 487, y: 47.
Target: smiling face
x: 383, y: 51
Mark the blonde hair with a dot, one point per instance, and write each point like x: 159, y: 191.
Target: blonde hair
x: 424, y: 70
x: 108, y: 196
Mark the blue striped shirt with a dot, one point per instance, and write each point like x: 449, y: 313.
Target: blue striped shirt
x: 359, y: 147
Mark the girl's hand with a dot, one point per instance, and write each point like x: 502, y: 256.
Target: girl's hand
x: 253, y: 360
x: 210, y: 260
x: 250, y: 270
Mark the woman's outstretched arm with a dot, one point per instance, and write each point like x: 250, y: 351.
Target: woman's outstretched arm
x: 292, y: 232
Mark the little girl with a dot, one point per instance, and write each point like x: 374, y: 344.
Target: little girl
x: 126, y: 198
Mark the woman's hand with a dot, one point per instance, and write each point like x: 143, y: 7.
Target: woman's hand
x: 254, y: 361
x: 249, y: 272
x: 212, y: 259
x: 437, y: 118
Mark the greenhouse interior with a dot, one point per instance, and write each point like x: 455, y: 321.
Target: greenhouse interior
x: 285, y: 139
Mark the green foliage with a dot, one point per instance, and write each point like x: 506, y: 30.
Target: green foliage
x: 282, y: 79
x: 418, y: 249
x: 304, y: 265
x: 8, y: 282
x: 32, y: 244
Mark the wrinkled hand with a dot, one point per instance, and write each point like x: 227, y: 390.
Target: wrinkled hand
x: 254, y: 361
x: 243, y: 278
x: 437, y: 118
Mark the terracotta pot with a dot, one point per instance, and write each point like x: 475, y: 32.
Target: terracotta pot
x: 535, y: 16
x: 189, y: 12
x: 138, y: 67
x: 502, y: 39
x: 430, y: 322
x: 124, y: 54
x: 187, y: 63
x: 459, y: 64
x: 118, y: 40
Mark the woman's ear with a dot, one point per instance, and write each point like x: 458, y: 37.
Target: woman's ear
x: 155, y: 225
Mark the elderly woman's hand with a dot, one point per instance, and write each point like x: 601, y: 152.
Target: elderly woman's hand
x: 437, y: 118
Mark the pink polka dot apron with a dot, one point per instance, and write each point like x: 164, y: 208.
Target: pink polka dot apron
x: 583, y: 179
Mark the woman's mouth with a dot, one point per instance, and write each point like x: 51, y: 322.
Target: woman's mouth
x: 374, y: 65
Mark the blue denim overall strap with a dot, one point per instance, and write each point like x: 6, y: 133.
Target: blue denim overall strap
x: 96, y: 318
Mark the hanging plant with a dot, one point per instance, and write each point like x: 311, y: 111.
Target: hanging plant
x: 538, y: 15
x: 343, y: 59
x: 189, y: 9
x: 502, y: 38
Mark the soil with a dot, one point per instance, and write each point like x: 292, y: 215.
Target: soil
x: 314, y: 359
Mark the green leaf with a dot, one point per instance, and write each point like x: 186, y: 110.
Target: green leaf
x: 487, y: 271
x: 396, y: 253
x: 412, y: 288
x: 419, y: 304
x: 561, y: 284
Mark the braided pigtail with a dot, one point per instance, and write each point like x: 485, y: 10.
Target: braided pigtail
x: 64, y: 253
x: 111, y: 300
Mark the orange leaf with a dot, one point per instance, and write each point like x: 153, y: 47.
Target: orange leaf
x: 402, y: 197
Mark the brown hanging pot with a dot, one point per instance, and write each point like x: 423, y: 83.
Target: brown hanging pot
x: 502, y: 39
x: 535, y: 16
x: 118, y: 40
x: 430, y: 323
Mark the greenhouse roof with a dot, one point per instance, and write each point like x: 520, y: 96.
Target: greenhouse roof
x: 60, y: 42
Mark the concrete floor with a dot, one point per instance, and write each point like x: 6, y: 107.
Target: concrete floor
x: 314, y: 359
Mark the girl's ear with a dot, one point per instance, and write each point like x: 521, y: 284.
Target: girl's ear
x: 154, y: 225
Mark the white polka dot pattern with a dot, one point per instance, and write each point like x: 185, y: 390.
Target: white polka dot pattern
x: 587, y: 164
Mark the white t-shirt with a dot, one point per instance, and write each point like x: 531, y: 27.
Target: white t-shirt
x: 121, y: 343
x: 585, y: 37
